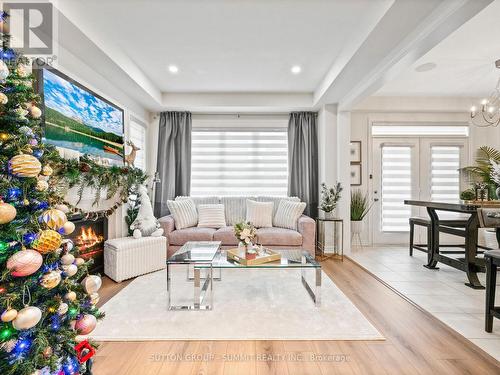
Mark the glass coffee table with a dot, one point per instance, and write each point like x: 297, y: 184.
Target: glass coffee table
x: 290, y: 259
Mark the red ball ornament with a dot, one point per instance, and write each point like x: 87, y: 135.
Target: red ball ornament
x: 86, y: 324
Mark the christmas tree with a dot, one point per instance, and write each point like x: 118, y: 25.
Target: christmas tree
x: 47, y: 297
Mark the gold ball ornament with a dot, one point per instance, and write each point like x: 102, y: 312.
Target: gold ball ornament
x: 70, y: 296
x: 94, y: 298
x: 42, y: 185
x: 92, y: 284
x: 24, y: 166
x: 24, y: 263
x: 53, y: 218
x: 47, y: 170
x: 51, y: 279
x: 85, y: 324
x: 62, y: 309
x: 70, y: 270
x: 9, y: 315
x: 27, y: 318
x: 68, y: 227
x: 67, y: 259
x: 3, y: 98
x: 35, y: 112
x: 47, y: 241
x: 79, y: 261
x: 7, y: 212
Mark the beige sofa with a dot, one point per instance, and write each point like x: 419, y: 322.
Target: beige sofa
x: 235, y: 211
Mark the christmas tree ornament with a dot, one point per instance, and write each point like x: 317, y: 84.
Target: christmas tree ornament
x: 53, y: 218
x: 3, y: 98
x: 4, y: 137
x: 4, y: 71
x: 50, y: 280
x: 47, y: 352
x: 38, y: 153
x: 79, y: 261
x: 47, y: 240
x: 67, y: 244
x: 62, y: 207
x: 85, y: 324
x: 3, y: 246
x: 67, y: 259
x: 41, y: 185
x: 92, y: 284
x: 24, y: 166
x: 13, y: 194
x: 7, y: 212
x: 27, y: 318
x: 26, y: 130
x: 94, y: 298
x: 70, y: 270
x: 40, y: 205
x: 33, y: 142
x: 21, y: 112
x: 28, y: 238
x: 24, y: 263
x: 68, y: 227
x: 35, y: 112
x: 7, y: 54
x: 22, y: 71
x: 9, y: 315
x: 7, y: 346
x: 47, y: 170
x: 70, y: 296
x: 62, y: 309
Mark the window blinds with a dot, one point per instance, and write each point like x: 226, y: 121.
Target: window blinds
x: 235, y: 161
x: 445, y: 178
x: 396, y: 187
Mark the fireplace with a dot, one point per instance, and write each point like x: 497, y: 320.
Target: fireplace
x: 89, y: 237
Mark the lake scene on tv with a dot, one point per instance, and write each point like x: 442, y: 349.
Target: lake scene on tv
x: 78, y: 120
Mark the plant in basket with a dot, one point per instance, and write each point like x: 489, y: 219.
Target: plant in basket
x: 245, y: 232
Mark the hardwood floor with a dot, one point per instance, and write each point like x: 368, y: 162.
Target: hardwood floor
x: 416, y: 343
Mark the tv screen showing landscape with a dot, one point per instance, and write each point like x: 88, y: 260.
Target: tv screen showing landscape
x: 80, y: 120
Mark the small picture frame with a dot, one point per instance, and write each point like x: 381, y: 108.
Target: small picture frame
x: 355, y: 152
x: 356, y: 175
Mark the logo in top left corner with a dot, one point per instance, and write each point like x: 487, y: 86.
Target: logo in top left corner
x: 31, y: 26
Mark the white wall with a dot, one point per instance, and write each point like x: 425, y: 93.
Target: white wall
x: 425, y: 110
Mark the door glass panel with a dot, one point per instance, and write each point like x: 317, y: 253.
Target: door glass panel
x: 396, y: 187
x: 445, y: 178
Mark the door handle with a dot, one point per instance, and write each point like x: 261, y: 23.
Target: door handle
x: 375, y: 199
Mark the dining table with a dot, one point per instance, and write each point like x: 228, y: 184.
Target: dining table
x: 471, y: 263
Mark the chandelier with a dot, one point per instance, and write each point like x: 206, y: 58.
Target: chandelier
x: 488, y: 112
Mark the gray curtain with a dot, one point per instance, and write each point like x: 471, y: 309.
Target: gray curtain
x: 174, y: 159
x: 303, y: 159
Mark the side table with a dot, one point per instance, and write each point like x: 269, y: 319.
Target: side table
x: 330, y: 238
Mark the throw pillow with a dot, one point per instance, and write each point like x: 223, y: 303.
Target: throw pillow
x: 211, y: 216
x: 288, y: 214
x: 184, y: 213
x: 260, y: 214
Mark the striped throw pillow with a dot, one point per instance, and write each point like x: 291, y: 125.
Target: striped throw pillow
x: 260, y: 214
x: 211, y: 216
x: 288, y: 214
x: 184, y: 213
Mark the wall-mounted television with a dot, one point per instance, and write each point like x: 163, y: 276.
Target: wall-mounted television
x: 77, y: 119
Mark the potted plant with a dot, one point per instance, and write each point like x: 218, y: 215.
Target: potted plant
x: 360, y: 206
x: 329, y: 199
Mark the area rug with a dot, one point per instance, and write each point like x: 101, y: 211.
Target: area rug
x: 250, y: 304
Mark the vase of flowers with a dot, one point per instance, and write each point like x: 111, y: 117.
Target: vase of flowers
x: 245, y: 232
x: 329, y: 199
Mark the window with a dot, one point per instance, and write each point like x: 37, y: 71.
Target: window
x: 137, y: 134
x: 445, y: 178
x: 396, y: 187
x: 242, y: 160
x: 419, y: 130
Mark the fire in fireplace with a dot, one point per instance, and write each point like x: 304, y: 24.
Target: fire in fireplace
x: 89, y: 237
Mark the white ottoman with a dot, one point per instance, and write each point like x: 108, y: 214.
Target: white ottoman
x: 129, y: 257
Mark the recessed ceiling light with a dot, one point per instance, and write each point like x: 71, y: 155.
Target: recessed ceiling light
x: 173, y: 69
x: 296, y: 69
x: 425, y: 67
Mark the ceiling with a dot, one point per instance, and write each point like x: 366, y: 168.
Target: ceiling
x: 465, y: 62
x: 232, y: 45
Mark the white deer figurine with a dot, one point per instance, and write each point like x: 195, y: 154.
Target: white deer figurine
x: 145, y: 224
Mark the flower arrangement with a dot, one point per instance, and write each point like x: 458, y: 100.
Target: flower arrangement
x: 245, y: 232
x: 330, y: 196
